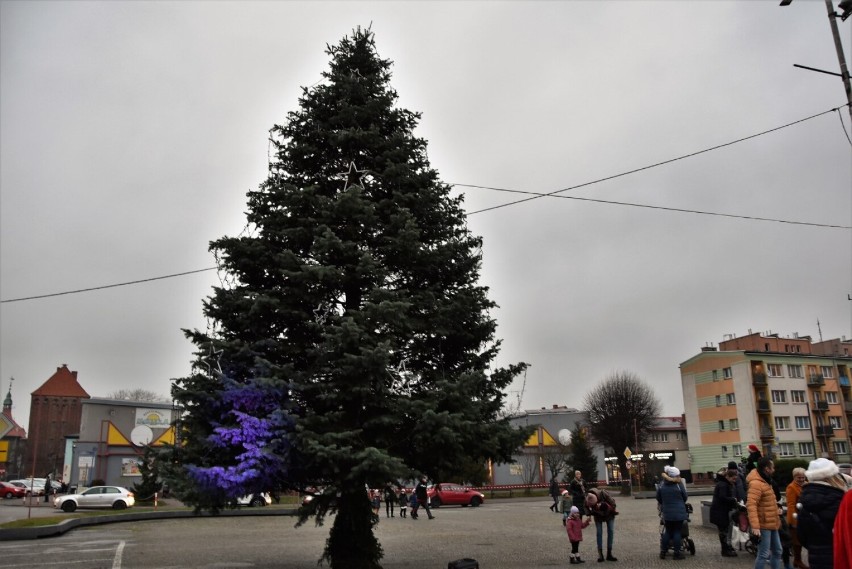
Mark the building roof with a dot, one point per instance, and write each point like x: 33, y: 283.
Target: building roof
x: 63, y: 383
x: 16, y: 430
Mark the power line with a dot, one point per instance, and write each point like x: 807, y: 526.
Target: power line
x: 109, y: 286
x: 700, y: 212
x: 536, y: 195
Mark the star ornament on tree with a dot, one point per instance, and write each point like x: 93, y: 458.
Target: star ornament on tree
x: 211, y: 360
x: 353, y: 176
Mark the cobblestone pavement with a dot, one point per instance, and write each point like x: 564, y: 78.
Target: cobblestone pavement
x: 524, y: 534
x: 502, y: 534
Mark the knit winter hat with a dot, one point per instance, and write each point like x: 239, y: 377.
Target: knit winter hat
x: 672, y: 471
x: 732, y: 465
x: 564, y: 492
x: 820, y: 469
x: 753, y: 448
x: 575, y: 510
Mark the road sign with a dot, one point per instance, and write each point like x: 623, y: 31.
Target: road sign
x: 627, y: 453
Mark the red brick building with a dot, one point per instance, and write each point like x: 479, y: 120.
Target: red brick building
x: 55, y: 412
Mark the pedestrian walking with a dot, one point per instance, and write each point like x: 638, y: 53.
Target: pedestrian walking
x: 554, y: 493
x: 422, y: 493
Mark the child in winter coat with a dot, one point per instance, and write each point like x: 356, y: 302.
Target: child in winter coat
x: 574, y: 527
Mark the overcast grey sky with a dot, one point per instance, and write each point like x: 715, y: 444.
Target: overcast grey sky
x: 130, y: 133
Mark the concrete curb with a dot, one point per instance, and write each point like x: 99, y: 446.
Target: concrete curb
x: 67, y: 525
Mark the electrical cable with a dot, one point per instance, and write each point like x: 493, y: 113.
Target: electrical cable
x: 536, y: 195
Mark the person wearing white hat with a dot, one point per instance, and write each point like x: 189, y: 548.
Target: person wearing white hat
x: 818, y: 505
x: 671, y: 496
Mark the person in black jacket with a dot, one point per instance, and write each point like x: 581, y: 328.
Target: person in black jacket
x: 818, y: 504
x: 577, y: 487
x: 554, y: 493
x: 422, y: 493
x: 724, y: 502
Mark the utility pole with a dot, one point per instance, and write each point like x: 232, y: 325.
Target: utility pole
x: 846, y: 6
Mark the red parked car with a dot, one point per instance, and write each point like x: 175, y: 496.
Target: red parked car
x: 449, y: 494
x: 11, y: 491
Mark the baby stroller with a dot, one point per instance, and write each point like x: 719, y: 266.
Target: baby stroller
x: 740, y: 519
x: 688, y: 544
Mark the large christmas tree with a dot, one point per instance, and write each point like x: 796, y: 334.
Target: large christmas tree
x: 356, y: 343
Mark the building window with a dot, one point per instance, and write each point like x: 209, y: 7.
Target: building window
x: 779, y: 396
x: 718, y: 401
x: 794, y: 370
x: 782, y: 423
x: 721, y: 425
x: 817, y: 397
x: 840, y: 447
x: 735, y: 424
x: 827, y: 371
x: 797, y: 396
x: 806, y: 449
x: 660, y: 437
x: 786, y: 449
x: 724, y: 451
x: 731, y: 399
x: 737, y: 450
x: 774, y: 370
x: 831, y: 397
x: 727, y: 373
x: 835, y: 422
x: 803, y: 423
x: 715, y: 375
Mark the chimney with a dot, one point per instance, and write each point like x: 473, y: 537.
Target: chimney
x: 556, y: 406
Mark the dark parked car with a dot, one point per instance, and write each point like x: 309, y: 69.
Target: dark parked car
x: 449, y: 494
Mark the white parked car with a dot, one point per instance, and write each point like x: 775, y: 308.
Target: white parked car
x: 255, y: 500
x: 32, y: 487
x: 114, y: 497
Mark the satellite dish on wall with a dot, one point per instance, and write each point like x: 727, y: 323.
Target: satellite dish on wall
x: 141, y: 435
x: 564, y: 436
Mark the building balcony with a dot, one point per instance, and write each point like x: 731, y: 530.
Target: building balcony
x: 766, y: 433
x: 844, y: 381
x: 763, y: 406
x: 820, y: 406
x: 758, y: 378
x: 825, y: 431
x: 816, y: 380
x: 848, y: 407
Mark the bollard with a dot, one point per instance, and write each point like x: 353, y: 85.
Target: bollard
x: 155, y: 500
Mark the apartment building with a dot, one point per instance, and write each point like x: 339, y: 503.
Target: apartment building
x: 788, y: 395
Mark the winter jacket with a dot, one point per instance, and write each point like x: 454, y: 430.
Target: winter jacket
x: 554, y: 488
x: 672, y: 498
x: 575, y: 527
x: 724, y: 500
x: 403, y: 500
x: 761, y: 505
x: 578, y: 492
x: 843, y: 533
x: 819, y: 505
x: 604, y: 508
x: 794, y: 490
